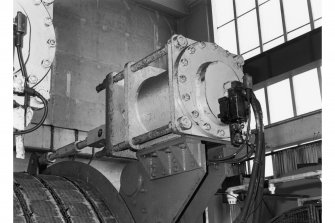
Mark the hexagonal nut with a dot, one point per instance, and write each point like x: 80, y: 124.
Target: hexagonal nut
x: 185, y: 122
x: 182, y: 41
x: 238, y: 59
x: 207, y: 126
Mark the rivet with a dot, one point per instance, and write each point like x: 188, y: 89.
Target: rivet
x: 215, y: 46
x: 51, y: 42
x: 186, y: 97
x: 191, y: 50
x: 220, y: 133
x: 207, y: 126
x: 182, y: 78
x: 47, y: 21
x: 202, y: 45
x: 46, y: 63
x: 195, y: 113
x: 144, y: 210
x: 184, y: 62
x: 185, y: 122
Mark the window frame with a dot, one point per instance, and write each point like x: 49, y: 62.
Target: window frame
x: 216, y: 26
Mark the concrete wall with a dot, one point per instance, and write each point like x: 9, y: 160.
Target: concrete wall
x: 95, y: 37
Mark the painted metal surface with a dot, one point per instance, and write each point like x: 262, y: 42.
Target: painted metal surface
x: 99, y: 176
x: 46, y: 198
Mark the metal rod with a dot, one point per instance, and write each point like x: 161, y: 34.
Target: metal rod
x: 164, y: 130
x: 294, y: 105
x: 109, y: 112
x: 135, y: 67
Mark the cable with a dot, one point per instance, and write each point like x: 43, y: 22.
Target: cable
x: 41, y: 79
x: 258, y: 154
x: 45, y: 103
x: 92, y: 157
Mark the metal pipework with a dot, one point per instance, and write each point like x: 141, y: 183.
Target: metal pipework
x: 135, y: 67
x: 65, y: 151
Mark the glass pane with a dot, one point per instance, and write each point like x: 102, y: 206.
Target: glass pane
x: 248, y: 31
x: 316, y: 9
x: 299, y: 32
x: 252, y: 53
x: 317, y: 23
x: 296, y: 13
x: 307, y: 92
x: 280, y: 101
x: 242, y: 6
x: 224, y: 11
x: 260, y: 95
x: 268, y: 166
x: 227, y: 37
x: 271, y: 23
x: 273, y: 43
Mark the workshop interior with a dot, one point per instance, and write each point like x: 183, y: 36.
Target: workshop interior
x: 161, y: 111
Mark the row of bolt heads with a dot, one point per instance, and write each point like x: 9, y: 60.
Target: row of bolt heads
x: 186, y: 123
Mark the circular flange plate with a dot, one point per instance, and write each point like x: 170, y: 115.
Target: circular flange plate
x: 204, y: 71
x: 38, y: 47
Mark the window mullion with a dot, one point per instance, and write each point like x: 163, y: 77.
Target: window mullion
x: 293, y: 97
x: 259, y: 27
x: 283, y: 19
x: 310, y: 13
x: 236, y: 28
x: 320, y: 80
x: 267, y: 104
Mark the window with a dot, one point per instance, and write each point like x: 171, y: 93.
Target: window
x: 268, y: 21
x: 307, y: 91
x: 268, y: 166
x: 296, y: 14
x: 260, y: 95
x: 280, y: 101
x: 227, y: 38
x: 271, y: 21
x: 248, y: 31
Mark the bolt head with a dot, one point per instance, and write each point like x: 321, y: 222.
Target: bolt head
x: 51, y: 42
x: 220, y: 133
x: 182, y: 78
x: 195, y: 113
x: 184, y: 62
x: 191, y: 50
x: 47, y: 21
x: 32, y: 79
x: 46, y: 63
x: 182, y: 41
x: 185, y: 122
x: 186, y: 97
x: 207, y: 126
x: 202, y: 45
